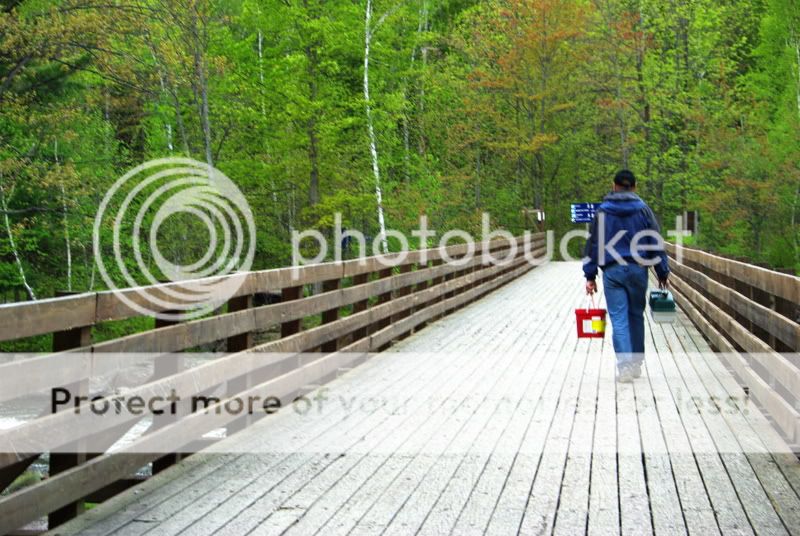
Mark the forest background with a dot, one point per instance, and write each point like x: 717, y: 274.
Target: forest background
x: 447, y: 108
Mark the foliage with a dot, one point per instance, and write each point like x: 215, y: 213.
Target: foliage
x: 477, y: 105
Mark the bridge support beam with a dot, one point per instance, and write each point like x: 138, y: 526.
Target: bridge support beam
x: 60, y: 462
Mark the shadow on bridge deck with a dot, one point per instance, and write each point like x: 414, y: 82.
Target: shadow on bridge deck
x: 495, y: 419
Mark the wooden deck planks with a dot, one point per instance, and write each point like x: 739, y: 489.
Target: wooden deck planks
x: 362, y: 501
x: 604, y: 498
x: 261, y: 508
x: 763, y: 479
x: 512, y: 425
x: 478, y: 498
x: 730, y: 483
x: 255, y: 501
x: 695, y: 504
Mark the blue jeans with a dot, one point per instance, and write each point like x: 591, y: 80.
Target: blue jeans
x: 625, y: 287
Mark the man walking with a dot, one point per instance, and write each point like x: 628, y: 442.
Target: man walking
x: 624, y: 241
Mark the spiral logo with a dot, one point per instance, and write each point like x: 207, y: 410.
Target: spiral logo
x: 175, y: 221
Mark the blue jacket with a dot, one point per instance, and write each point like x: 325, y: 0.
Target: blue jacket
x: 624, y: 212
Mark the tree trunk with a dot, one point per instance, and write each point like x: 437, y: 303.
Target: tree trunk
x: 478, y: 180
x: 796, y: 40
x: 201, y: 74
x: 204, y: 112
x: 66, y: 219
x: 313, y: 158
x: 14, y: 251
x: 313, y: 140
x: 261, y: 69
x: 373, y: 144
x: 423, y: 22
x: 421, y: 140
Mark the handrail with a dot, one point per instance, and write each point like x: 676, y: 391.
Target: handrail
x: 417, y: 294
x: 719, y: 295
x: 27, y: 319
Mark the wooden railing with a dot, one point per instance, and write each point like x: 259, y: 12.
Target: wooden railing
x: 751, y: 315
x: 382, y: 305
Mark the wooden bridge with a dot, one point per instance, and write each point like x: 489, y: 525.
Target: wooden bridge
x: 491, y: 416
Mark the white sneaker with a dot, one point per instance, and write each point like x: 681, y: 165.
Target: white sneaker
x: 625, y: 374
x: 637, y: 370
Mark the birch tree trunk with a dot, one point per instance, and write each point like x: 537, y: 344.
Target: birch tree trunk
x: 66, y: 219
x: 264, y: 108
x: 796, y: 40
x: 169, y: 90
x: 14, y: 251
x: 373, y: 144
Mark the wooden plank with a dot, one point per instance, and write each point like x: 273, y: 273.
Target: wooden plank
x: 777, y: 469
x: 494, y: 439
x: 496, y: 500
x: 344, y: 488
x: 399, y: 475
x: 113, y: 305
x: 367, y: 497
x: 604, y: 499
x: 782, y: 285
x: 384, y: 440
x: 572, y: 514
x: 208, y: 375
x: 29, y: 503
x: 636, y: 401
x: 392, y: 511
x: 244, y: 340
x: 330, y: 315
x: 378, y: 339
x: 733, y: 486
x: 694, y: 500
x: 541, y: 510
x: 360, y: 306
x: 291, y: 327
x: 58, y: 314
x: 245, y: 432
x: 686, y: 403
x: 776, y: 324
x: 175, y: 489
x: 63, y: 461
x: 241, y: 500
x: 240, y: 343
x: 27, y: 319
x: 189, y: 334
x: 784, y: 414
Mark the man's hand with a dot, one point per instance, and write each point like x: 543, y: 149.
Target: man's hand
x: 663, y: 284
x: 591, y: 287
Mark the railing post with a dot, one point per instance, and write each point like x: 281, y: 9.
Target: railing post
x: 437, y: 281
x: 239, y: 343
x: 163, y: 367
x: 384, y: 298
x: 292, y: 326
x: 331, y: 315
x: 242, y: 341
x: 422, y: 285
x: 402, y: 292
x: 360, y: 306
x: 60, y: 462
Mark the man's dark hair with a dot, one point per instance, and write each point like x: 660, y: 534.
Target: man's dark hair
x: 625, y: 179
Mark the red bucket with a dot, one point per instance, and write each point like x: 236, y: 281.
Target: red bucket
x: 591, y: 323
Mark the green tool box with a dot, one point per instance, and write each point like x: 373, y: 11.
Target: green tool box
x: 662, y: 307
